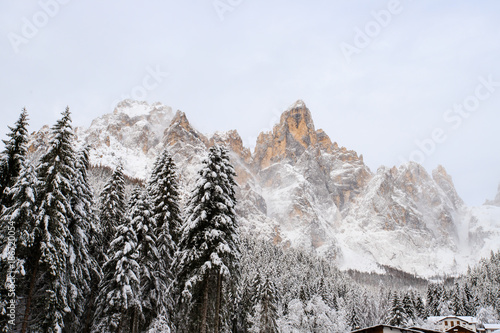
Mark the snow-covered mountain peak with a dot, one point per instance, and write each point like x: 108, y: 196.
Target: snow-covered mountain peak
x: 133, y: 132
x: 300, y: 189
x: 298, y: 120
x: 134, y: 108
x: 289, y: 138
x: 299, y: 104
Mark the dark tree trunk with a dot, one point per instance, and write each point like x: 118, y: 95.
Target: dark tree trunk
x: 217, y: 302
x: 204, y: 310
x: 27, y: 309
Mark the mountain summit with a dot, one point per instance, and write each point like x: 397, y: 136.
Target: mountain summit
x: 288, y: 139
x: 301, y: 189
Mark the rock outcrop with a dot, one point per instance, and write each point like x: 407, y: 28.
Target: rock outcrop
x: 496, y: 201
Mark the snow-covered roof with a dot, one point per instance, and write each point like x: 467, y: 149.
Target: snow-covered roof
x: 425, y: 330
x: 391, y: 327
x: 492, y: 326
x: 468, y: 319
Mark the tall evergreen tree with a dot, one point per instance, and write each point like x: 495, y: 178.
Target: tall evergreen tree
x: 118, y: 303
x: 83, y: 228
x: 244, y: 305
x: 470, y: 301
x: 155, y: 296
x: 12, y: 158
x: 163, y: 191
x: 397, y: 315
x: 163, y: 198
x: 419, y: 307
x: 18, y: 221
x: 48, y: 276
x: 207, y: 263
x: 354, y: 312
x: 457, y: 301
x: 264, y: 312
x: 409, y: 306
x: 434, y: 295
x: 112, y: 206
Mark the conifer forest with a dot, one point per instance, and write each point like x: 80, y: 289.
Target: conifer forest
x: 129, y: 256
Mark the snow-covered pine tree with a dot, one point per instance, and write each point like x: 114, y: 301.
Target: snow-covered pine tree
x: 320, y: 317
x: 112, y: 207
x: 255, y: 289
x: 163, y: 191
x: 243, y: 299
x: 18, y: 221
x: 83, y: 270
x: 397, y: 314
x: 353, y: 308
x: 457, y: 301
x: 249, y: 302
x: 484, y: 283
x: 409, y: 307
x: 11, y: 159
x: 434, y: 295
x: 155, y: 295
x: 118, y: 302
x: 470, y: 301
x: 419, y: 307
x: 265, y: 312
x: 48, y: 279
x: 296, y: 319
x: 135, y: 197
x: 208, y: 257
x: 163, y: 198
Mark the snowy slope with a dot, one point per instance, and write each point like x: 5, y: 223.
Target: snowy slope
x: 300, y: 189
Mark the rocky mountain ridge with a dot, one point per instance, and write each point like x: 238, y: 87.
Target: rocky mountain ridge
x: 299, y: 188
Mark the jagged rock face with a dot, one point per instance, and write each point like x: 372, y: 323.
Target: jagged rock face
x: 181, y: 133
x: 38, y: 141
x: 241, y: 156
x: 233, y: 141
x: 445, y: 182
x: 406, y: 198
x: 295, y: 141
x: 289, y: 139
x: 300, y: 189
x: 305, y: 179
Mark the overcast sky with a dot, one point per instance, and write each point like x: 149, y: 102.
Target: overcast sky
x: 392, y: 80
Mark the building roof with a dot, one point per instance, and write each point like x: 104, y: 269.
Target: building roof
x: 409, y: 330
x: 424, y: 330
x: 468, y: 319
x: 492, y: 326
x: 458, y: 327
